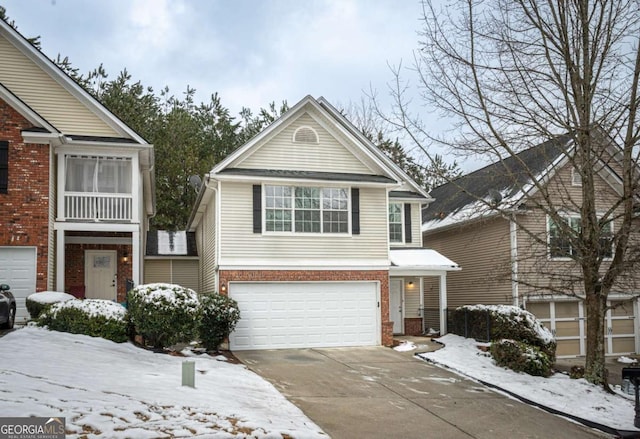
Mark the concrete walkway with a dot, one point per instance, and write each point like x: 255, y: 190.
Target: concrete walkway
x: 376, y: 392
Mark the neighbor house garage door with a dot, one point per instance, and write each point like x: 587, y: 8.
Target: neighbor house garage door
x: 305, y: 314
x: 567, y: 321
x: 18, y: 269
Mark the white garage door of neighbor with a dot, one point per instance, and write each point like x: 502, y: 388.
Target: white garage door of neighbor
x: 305, y: 314
x: 18, y: 269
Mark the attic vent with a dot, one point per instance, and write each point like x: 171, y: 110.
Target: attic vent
x: 305, y: 135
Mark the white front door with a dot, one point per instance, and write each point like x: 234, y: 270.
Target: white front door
x: 396, y: 305
x: 100, y: 274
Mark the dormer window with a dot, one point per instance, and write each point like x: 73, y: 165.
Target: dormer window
x: 305, y: 134
x: 576, y: 178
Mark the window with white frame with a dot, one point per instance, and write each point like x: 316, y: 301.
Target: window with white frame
x: 306, y: 209
x: 110, y: 175
x: 395, y: 223
x: 560, y: 244
x: 576, y: 177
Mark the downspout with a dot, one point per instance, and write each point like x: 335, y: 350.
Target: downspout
x: 513, y: 238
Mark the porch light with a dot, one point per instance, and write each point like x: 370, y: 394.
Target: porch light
x: 410, y: 283
x: 223, y: 288
x: 125, y: 256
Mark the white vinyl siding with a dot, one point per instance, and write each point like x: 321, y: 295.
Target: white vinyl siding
x: 48, y: 98
x: 238, y: 241
x: 412, y: 298
x: 207, y: 239
x: 173, y: 271
x: 328, y: 155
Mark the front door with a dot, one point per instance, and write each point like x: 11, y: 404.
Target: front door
x: 100, y: 273
x: 396, y: 302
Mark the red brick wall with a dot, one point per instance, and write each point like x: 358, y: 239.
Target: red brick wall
x: 24, y: 211
x: 74, y: 264
x: 382, y: 276
x: 413, y: 326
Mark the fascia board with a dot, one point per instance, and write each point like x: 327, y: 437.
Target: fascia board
x: 298, y: 181
x: 55, y: 72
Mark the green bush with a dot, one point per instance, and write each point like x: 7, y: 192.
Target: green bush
x: 37, y: 303
x: 521, y: 357
x: 218, y: 317
x: 502, y: 322
x: 163, y: 314
x: 93, y: 317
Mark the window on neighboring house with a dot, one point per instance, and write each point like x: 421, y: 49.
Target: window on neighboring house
x: 4, y: 167
x: 98, y: 174
x: 306, y: 209
x: 576, y: 178
x: 560, y: 245
x: 395, y: 222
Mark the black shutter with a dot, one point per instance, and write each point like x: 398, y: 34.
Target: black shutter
x: 257, y: 208
x: 355, y: 211
x: 4, y: 166
x: 407, y: 223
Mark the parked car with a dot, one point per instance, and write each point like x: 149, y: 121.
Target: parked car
x: 7, y: 307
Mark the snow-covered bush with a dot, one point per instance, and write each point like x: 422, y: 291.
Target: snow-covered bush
x: 502, y: 322
x: 163, y: 314
x: 38, y: 302
x: 94, y: 317
x: 218, y: 317
x: 521, y: 357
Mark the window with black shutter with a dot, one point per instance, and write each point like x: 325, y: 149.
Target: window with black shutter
x: 4, y: 166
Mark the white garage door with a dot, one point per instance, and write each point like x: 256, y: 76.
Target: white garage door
x: 305, y: 314
x: 18, y: 269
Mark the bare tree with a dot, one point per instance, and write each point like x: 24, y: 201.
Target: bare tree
x: 509, y: 74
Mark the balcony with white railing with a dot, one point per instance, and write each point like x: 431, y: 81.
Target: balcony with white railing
x: 91, y: 206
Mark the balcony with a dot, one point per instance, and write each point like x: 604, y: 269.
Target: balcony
x: 92, y: 206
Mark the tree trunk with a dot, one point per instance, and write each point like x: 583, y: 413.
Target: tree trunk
x: 595, y: 371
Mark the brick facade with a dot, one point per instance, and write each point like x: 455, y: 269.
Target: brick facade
x: 413, y: 326
x: 24, y: 210
x: 381, y: 276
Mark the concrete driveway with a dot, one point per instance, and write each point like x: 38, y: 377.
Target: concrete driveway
x: 376, y: 392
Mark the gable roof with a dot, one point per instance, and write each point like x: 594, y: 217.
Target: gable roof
x: 62, y: 79
x: 389, y: 172
x: 506, y: 181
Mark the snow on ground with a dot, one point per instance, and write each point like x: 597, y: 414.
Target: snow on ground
x: 112, y: 390
x: 574, y: 397
x: 405, y: 346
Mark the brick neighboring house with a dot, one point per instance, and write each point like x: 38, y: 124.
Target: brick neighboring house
x: 316, y: 234
x: 504, y: 264
x: 76, y: 183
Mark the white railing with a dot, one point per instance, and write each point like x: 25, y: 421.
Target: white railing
x: 98, y: 207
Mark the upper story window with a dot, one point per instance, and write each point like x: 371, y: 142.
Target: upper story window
x: 4, y: 166
x: 576, y: 178
x: 306, y: 209
x: 395, y: 222
x: 110, y: 175
x: 560, y: 245
x: 305, y: 134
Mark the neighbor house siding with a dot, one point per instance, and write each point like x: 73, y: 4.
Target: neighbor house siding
x: 47, y: 97
x: 482, y: 249
x: 282, y: 153
x: 239, y: 242
x: 157, y: 271
x: 182, y: 272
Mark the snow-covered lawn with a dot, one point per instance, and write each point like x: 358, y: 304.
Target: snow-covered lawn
x: 112, y: 390
x: 574, y: 397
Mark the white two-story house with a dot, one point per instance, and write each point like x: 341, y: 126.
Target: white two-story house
x: 316, y: 234
x: 76, y: 183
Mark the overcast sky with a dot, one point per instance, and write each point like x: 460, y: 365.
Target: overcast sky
x: 251, y: 52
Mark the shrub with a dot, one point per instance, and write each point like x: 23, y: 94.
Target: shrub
x: 94, y: 317
x: 163, y: 314
x: 218, y: 317
x: 38, y: 302
x: 502, y: 322
x: 521, y: 357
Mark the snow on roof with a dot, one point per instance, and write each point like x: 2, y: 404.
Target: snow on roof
x: 172, y: 243
x: 421, y: 259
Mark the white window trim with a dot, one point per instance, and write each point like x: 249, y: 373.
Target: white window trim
x: 563, y: 258
x: 401, y: 224
x: 305, y: 127
x: 576, y: 178
x: 310, y: 234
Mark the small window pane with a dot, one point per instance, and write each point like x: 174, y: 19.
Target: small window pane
x: 395, y: 222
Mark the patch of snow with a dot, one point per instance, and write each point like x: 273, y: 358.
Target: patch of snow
x: 46, y: 297
x: 423, y: 257
x: 405, y: 346
x: 574, y: 397
x: 93, y: 307
x: 115, y: 390
x: 520, y: 314
x: 627, y: 360
x: 152, y: 293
